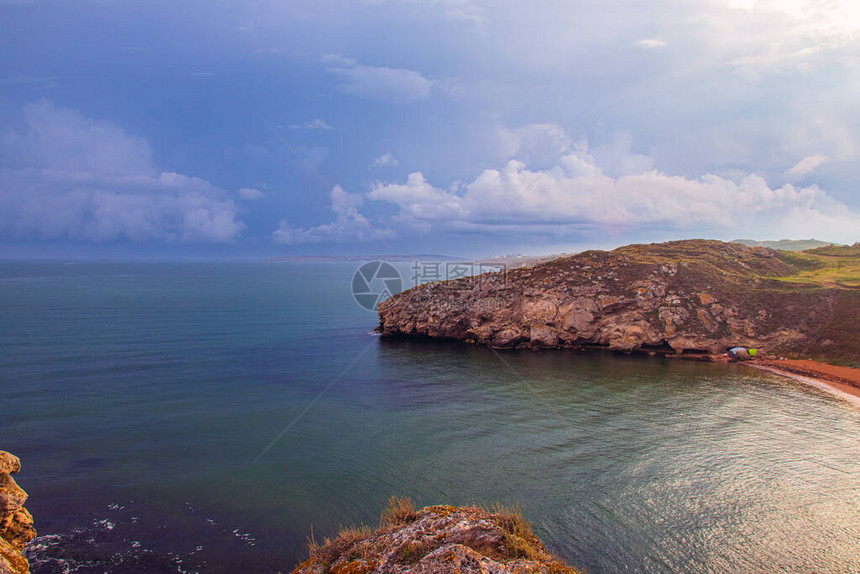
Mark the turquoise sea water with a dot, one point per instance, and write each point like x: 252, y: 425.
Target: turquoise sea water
x: 145, y: 400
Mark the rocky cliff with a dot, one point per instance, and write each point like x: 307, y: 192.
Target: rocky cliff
x: 688, y: 298
x: 435, y: 539
x: 16, y: 524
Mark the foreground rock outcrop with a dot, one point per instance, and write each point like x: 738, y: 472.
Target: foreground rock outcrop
x: 16, y: 524
x: 692, y: 297
x: 435, y: 540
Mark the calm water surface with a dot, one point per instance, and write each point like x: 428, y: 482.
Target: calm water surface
x: 142, y: 399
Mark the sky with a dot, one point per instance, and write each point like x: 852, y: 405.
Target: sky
x: 463, y: 127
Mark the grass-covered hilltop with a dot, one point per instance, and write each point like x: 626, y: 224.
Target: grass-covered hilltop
x: 786, y: 244
x: 694, y: 297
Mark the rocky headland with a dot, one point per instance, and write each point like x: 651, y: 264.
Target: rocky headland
x: 16, y: 524
x: 688, y: 299
x: 435, y: 540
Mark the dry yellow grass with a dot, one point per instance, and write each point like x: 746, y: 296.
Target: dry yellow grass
x: 399, y: 511
x: 359, y: 543
x: 521, y: 541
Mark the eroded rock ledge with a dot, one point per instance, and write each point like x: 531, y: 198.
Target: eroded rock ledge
x: 435, y: 539
x: 694, y: 297
x: 16, y: 524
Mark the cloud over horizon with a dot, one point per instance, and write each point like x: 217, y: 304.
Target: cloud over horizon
x: 68, y: 176
x: 349, y: 224
x: 577, y: 196
x: 248, y: 122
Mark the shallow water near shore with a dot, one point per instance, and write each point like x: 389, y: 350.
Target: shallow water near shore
x: 145, y: 401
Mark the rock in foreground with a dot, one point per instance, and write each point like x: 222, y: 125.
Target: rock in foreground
x: 692, y: 297
x: 16, y: 524
x: 435, y: 539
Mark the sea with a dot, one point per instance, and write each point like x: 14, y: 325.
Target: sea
x: 212, y: 417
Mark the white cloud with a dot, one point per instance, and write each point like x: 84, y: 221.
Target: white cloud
x: 534, y: 143
x: 464, y: 10
x: 385, y: 160
x: 833, y: 16
x: 806, y: 166
x: 250, y: 194
x: 69, y: 176
x: 392, y: 85
x: 460, y: 10
x: 577, y: 194
x: 788, y: 37
x: 338, y: 60
x: 349, y: 224
x: 314, y: 124
x: 61, y: 139
x: 616, y: 156
x: 651, y: 43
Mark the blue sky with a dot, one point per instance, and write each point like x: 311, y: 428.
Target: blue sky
x: 423, y: 126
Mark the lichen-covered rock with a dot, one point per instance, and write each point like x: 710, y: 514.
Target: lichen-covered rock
x: 16, y: 523
x: 436, y: 540
x: 12, y: 496
x: 541, y: 335
x: 690, y: 298
x: 9, y: 463
x: 11, y: 559
x: 17, y: 527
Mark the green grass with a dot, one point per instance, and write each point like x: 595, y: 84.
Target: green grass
x: 834, y: 266
x: 785, y: 244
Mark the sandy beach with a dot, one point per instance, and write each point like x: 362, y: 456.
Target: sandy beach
x: 842, y: 382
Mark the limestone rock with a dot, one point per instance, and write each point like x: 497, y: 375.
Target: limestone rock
x: 689, y: 298
x: 543, y: 336
x: 11, y: 559
x: 12, y: 496
x: 506, y: 338
x: 17, y: 528
x: 437, y: 540
x: 16, y: 523
x: 9, y: 463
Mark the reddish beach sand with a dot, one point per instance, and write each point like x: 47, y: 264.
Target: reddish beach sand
x: 842, y: 380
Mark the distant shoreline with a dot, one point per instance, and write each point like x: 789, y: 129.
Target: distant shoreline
x: 813, y: 373
x: 361, y: 258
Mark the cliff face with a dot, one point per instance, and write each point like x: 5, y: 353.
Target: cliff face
x: 683, y: 297
x: 16, y: 524
x: 436, y: 539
